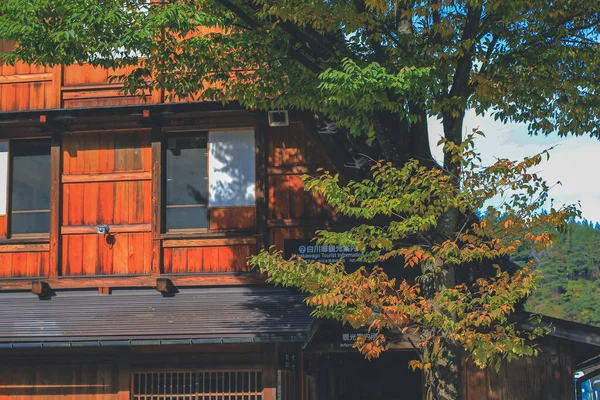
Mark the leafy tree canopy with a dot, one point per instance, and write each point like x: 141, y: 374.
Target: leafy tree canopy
x: 375, y: 67
x: 471, y: 311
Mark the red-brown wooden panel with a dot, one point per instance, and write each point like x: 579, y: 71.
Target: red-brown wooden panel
x: 3, y: 226
x: 45, y: 380
x: 26, y: 87
x: 182, y: 260
x: 23, y: 264
x: 118, y: 254
x: 293, y: 145
x: 85, y: 74
x: 289, y: 200
x: 230, y: 218
x: 107, y: 152
x: 96, y: 203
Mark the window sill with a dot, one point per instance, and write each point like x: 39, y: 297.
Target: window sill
x: 26, y: 240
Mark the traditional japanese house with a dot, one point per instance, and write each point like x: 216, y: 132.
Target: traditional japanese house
x: 125, y: 226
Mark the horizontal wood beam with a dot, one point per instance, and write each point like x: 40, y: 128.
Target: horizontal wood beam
x: 83, y: 229
x: 24, y: 248
x: 298, y: 169
x: 94, y: 94
x: 291, y: 223
x: 99, y: 86
x: 209, y: 242
x: 148, y: 281
x: 26, y: 78
x: 108, y: 177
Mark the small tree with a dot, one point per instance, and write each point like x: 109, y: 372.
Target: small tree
x: 443, y: 312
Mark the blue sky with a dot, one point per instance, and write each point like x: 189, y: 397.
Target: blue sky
x: 574, y: 161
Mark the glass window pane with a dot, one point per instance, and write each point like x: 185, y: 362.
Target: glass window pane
x: 35, y: 222
x: 187, y: 180
x: 30, y: 186
x: 187, y: 218
x: 30, y: 175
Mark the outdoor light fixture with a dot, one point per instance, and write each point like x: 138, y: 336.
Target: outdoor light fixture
x: 103, y: 229
x: 279, y: 118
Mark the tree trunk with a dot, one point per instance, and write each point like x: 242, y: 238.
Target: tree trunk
x: 442, y: 377
x: 400, y: 140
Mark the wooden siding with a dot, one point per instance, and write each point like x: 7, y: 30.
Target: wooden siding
x: 292, y: 152
x: 547, y: 376
x: 106, y: 374
x: 210, y: 255
x: 108, y: 171
x: 3, y: 226
x: 232, y: 218
x: 47, y: 381
x: 24, y: 261
x: 106, y: 180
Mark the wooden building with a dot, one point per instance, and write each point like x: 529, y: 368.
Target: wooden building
x: 124, y: 232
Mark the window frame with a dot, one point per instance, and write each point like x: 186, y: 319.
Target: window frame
x: 163, y: 137
x: 10, y: 187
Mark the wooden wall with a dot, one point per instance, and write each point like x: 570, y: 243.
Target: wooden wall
x: 28, y: 87
x: 293, y: 213
x: 109, y: 171
x: 48, y: 380
x: 106, y: 374
x: 548, y: 376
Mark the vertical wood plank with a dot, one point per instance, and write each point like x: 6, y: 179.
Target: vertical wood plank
x: 3, y: 226
x: 121, y: 203
x: 55, y: 201
x: 136, y: 253
x: 106, y: 202
x: 226, y: 258
x: 261, y: 190
x: 120, y: 255
x: 75, y: 255
x: 5, y: 265
x: 156, y: 199
x: 56, y: 87
x: 19, y: 264
x: 271, y: 354
x: 90, y: 254
x: 75, y: 204
x: 90, y: 203
x: 167, y: 255
x: 105, y: 256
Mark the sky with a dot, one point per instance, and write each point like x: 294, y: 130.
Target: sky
x: 573, y: 161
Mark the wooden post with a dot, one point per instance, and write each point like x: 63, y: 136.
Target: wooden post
x: 271, y: 353
x: 125, y: 376
x: 55, y: 205
x: 261, y: 187
x: 157, y: 211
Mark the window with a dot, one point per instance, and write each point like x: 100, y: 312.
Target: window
x: 197, y: 385
x: 204, y: 170
x: 186, y: 182
x: 30, y: 187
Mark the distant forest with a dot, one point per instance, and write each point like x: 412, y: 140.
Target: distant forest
x: 570, y: 288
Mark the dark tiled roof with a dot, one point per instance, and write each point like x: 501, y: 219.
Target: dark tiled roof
x: 199, y: 315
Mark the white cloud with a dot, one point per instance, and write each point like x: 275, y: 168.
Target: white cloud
x: 573, y: 161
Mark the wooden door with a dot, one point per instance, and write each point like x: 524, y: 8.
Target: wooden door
x: 106, y: 180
